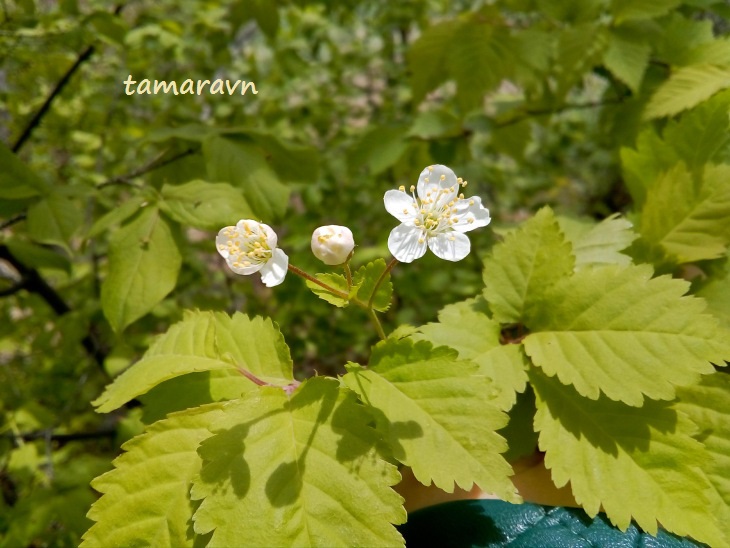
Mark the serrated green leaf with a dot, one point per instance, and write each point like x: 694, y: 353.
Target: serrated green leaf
x: 145, y: 499
x: 689, y: 224
x: 17, y: 181
x: 299, y: 471
x: 525, y: 265
x: 637, y: 463
x: 427, y: 58
x: 477, y: 58
x: 144, y: 262
x: 54, y: 220
x: 204, y: 205
x: 192, y: 390
x: 702, y: 133
x: 708, y: 405
x: 627, y: 10
x: 337, y: 281
x: 365, y: 279
x: 579, y: 48
x: 596, y: 244
x: 204, y: 341
x: 686, y: 88
x: 116, y: 216
x: 466, y: 328
x: 243, y: 165
x: 618, y: 331
x: 643, y: 166
x: 716, y: 293
x: 435, y: 412
x: 627, y: 58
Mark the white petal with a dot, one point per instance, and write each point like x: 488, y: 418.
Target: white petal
x: 244, y: 270
x: 403, y: 243
x: 430, y: 185
x: 450, y: 246
x: 475, y: 211
x: 274, y: 271
x: 400, y: 205
x: 270, y: 235
x: 225, y: 235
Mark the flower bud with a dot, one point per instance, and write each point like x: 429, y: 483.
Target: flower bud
x: 332, y: 244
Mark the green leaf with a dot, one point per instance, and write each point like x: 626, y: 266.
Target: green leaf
x: 145, y: 499
x: 144, y: 262
x: 436, y: 413
x: 17, y: 181
x: 702, y: 133
x: 690, y: 225
x: 243, y: 165
x: 637, y: 463
x: 36, y: 256
x: 337, y: 281
x: 299, y: 471
x: 109, y: 26
x: 579, y: 48
x: 525, y: 265
x: 378, y: 149
x: 208, y: 206
x: 478, y: 57
x: 717, y: 294
x: 116, y: 216
x: 627, y: 10
x: 643, y: 166
x: 427, y: 58
x: 204, y: 341
x: 596, y: 244
x: 192, y: 390
x: 291, y: 162
x: 618, y: 331
x: 54, y: 220
x: 434, y: 124
x: 686, y: 88
x: 466, y: 328
x: 708, y: 405
x: 365, y: 279
x: 627, y: 58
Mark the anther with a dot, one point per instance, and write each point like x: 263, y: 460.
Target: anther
x: 402, y: 188
x: 442, y: 178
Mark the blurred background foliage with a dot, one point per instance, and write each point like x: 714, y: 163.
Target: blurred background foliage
x: 530, y: 101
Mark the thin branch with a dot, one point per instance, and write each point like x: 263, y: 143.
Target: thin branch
x: 33, y: 282
x: 10, y: 222
x: 12, y: 289
x: 36, y: 120
x: 556, y: 110
x: 154, y: 164
x: 62, y: 438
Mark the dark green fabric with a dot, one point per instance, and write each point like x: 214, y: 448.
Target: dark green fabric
x: 475, y: 523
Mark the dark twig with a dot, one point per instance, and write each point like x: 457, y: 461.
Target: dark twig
x: 156, y: 163
x: 33, y: 282
x: 556, y: 110
x: 38, y: 116
x: 36, y: 120
x: 10, y: 222
x: 63, y: 438
x: 12, y: 290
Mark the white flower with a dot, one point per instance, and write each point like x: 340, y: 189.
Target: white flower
x: 332, y: 244
x: 250, y: 247
x: 437, y: 218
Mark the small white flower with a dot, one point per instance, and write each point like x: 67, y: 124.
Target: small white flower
x: 436, y: 218
x: 250, y: 247
x: 332, y: 244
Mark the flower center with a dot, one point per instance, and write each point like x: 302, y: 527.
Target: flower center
x: 247, y: 248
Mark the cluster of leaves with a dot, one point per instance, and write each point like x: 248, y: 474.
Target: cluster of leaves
x: 109, y: 202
